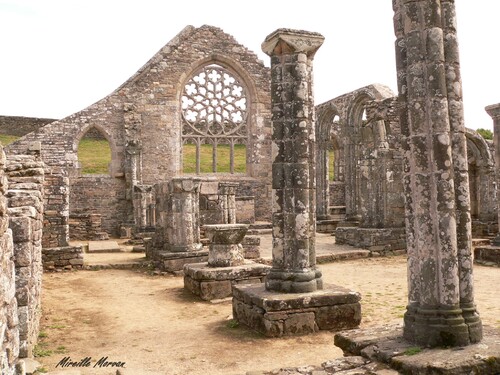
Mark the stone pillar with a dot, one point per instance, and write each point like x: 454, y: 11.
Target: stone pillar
x: 225, y: 244
x: 183, y: 221
x: 441, y: 310
x: 494, y: 112
x: 227, y: 200
x: 294, y: 200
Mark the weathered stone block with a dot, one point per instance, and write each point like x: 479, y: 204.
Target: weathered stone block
x: 300, y: 324
x: 339, y: 317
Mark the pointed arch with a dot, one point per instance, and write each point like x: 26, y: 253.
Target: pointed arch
x: 218, y: 132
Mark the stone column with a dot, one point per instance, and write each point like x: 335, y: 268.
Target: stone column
x: 227, y: 199
x: 294, y: 208
x: 494, y: 112
x: 183, y: 221
x: 441, y: 310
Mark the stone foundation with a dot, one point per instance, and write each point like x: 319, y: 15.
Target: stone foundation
x: 383, y: 240
x: 386, y: 344
x: 284, y: 314
x: 489, y: 255
x: 68, y: 258
x: 216, y: 282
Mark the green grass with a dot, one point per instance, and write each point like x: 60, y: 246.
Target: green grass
x: 94, y: 156
x: 223, y: 152
x: 413, y: 350
x: 6, y: 139
x: 331, y: 165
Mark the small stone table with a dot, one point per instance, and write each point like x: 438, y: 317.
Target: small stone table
x: 226, y: 265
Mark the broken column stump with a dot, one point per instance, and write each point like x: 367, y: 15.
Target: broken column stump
x: 226, y: 265
x: 293, y: 301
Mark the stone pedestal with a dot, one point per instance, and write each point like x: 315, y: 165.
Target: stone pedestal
x: 211, y: 283
x: 225, y: 267
x: 293, y: 301
x: 225, y: 249
x: 285, y: 314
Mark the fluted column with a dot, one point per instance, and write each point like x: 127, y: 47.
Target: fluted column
x: 294, y: 209
x: 441, y: 308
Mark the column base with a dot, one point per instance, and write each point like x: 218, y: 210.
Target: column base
x: 277, y: 314
x: 294, y: 282
x: 441, y: 328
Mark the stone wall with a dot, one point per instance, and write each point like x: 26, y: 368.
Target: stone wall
x: 9, y: 321
x: 19, y: 126
x: 103, y: 195
x: 56, y: 202
x: 25, y: 201
x: 142, y: 121
x: 86, y: 227
x: 62, y: 258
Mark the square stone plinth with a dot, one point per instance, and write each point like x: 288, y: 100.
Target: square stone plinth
x: 174, y: 262
x: 284, y: 314
x: 386, y: 344
x: 216, y: 282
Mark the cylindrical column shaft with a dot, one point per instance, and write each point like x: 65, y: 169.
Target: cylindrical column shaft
x: 294, y: 208
x: 441, y: 309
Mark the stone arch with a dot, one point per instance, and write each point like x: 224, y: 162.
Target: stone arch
x: 327, y: 137
x: 353, y: 132
x: 114, y: 164
x: 481, y: 181
x: 237, y: 71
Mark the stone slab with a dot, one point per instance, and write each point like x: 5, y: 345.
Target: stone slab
x: 202, y: 272
x: 103, y: 247
x: 386, y: 344
x: 285, y: 314
x: 174, y: 262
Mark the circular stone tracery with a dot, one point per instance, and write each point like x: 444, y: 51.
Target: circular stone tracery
x: 214, y: 103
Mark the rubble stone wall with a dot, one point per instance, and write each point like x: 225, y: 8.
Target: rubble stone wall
x: 103, y: 195
x: 25, y: 202
x: 9, y: 322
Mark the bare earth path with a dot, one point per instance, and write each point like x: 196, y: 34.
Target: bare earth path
x: 150, y: 323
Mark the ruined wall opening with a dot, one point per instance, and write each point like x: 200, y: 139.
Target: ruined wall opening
x: 334, y: 152
x: 94, y: 153
x: 214, y: 122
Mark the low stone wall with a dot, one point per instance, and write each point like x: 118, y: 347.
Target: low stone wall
x: 67, y: 258
x: 86, y: 227
x: 383, y: 240
x: 25, y: 201
x: 9, y: 321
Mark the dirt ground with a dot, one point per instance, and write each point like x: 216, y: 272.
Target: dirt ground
x: 155, y: 327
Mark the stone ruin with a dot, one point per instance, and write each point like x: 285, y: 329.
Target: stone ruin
x: 353, y: 166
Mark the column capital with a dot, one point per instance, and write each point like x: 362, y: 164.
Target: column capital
x: 493, y: 110
x: 283, y: 41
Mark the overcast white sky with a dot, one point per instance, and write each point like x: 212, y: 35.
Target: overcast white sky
x: 60, y: 56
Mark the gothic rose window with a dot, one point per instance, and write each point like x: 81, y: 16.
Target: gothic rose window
x: 214, y: 122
